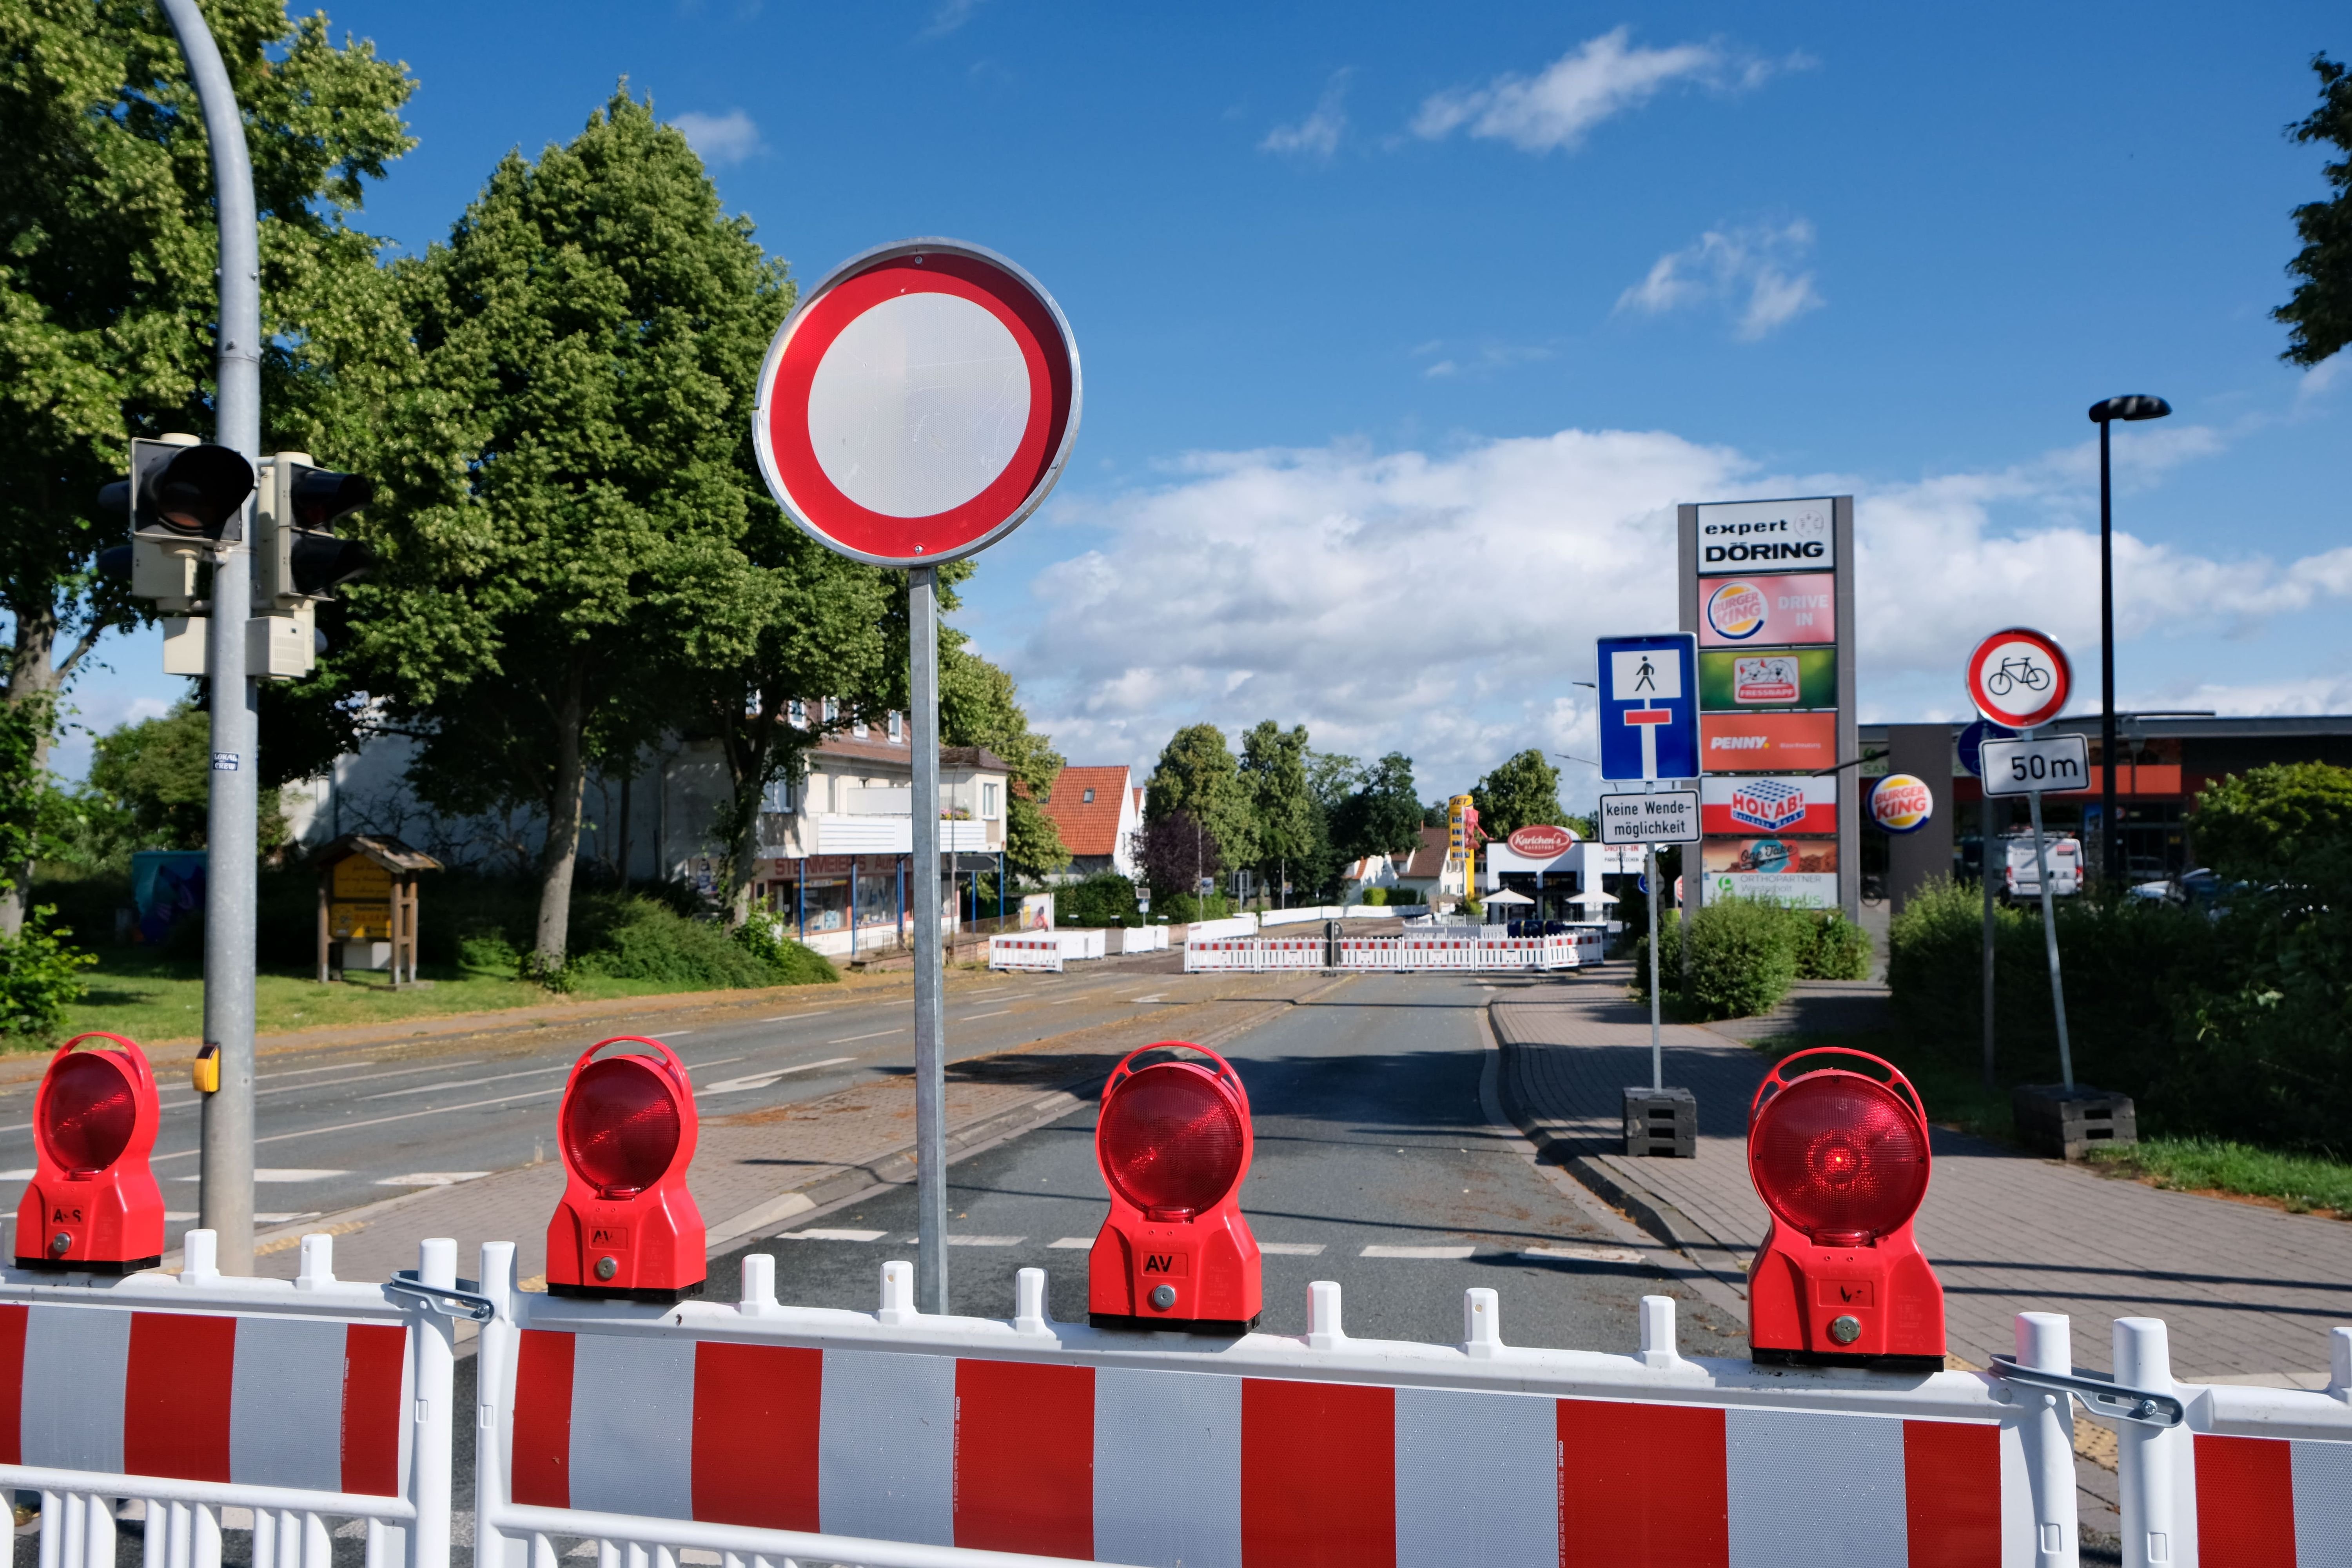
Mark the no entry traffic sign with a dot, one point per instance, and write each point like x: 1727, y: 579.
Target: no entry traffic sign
x: 918, y: 404
x: 2019, y: 678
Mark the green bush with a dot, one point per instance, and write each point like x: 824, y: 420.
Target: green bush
x: 40, y: 975
x: 1105, y: 899
x: 762, y: 936
x: 1183, y: 908
x: 1829, y: 946
x: 648, y: 939
x: 1377, y: 898
x: 1743, y: 959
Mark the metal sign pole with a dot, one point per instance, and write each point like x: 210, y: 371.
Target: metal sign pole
x: 225, y: 1164
x: 1984, y: 867
x: 931, y: 1042
x: 2050, y: 940
x: 1657, y: 1051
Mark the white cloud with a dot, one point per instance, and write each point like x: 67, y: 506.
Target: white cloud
x: 720, y: 138
x: 1316, y: 137
x: 947, y: 17
x: 1758, y: 272
x: 1598, y: 79
x: 1442, y: 603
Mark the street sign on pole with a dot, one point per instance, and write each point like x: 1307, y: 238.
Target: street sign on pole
x: 2019, y: 678
x: 2055, y: 763
x: 918, y: 402
x: 1669, y: 817
x: 1649, y: 707
x: 1972, y: 740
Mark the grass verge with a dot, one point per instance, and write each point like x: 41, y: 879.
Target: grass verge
x: 153, y: 998
x: 2302, y: 1184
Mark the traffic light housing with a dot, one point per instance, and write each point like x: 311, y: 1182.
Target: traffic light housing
x: 298, y: 557
x: 181, y: 499
x: 1840, y: 1159
x: 1174, y: 1142
x: 627, y: 1226
x: 93, y: 1206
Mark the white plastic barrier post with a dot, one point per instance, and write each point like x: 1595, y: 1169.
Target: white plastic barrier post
x: 2224, y: 1474
x: 759, y: 1432
x: 172, y: 1399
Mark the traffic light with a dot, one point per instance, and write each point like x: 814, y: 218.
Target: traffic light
x: 1840, y: 1159
x: 181, y: 499
x: 1173, y: 1140
x: 626, y: 1226
x: 93, y: 1206
x: 297, y: 555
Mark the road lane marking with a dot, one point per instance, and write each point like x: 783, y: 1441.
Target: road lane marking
x: 789, y: 1017
x: 853, y: 1039
x: 338, y: 1067
x: 377, y: 1122
x: 975, y: 1017
x: 1581, y: 1255
x: 461, y: 1082
x: 1292, y: 1248
x: 981, y: 1240
x: 713, y: 1062
x: 278, y: 1175
x: 171, y: 1105
x: 821, y: 1233
x: 432, y: 1178
x: 1068, y: 1243
x: 763, y: 1079
x: 1425, y: 1254
x: 672, y: 1034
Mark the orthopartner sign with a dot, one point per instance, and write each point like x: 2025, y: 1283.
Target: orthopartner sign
x: 1787, y: 535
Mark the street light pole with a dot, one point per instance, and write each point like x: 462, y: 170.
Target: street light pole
x: 225, y: 1198
x: 2104, y: 414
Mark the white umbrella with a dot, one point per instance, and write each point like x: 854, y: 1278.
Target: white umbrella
x: 1508, y: 896
x: 1595, y: 897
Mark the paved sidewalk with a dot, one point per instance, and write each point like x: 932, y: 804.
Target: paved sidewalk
x: 758, y: 1171
x: 2249, y: 1292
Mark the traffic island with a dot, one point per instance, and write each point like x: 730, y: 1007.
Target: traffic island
x: 2068, y: 1123
x: 1662, y: 1122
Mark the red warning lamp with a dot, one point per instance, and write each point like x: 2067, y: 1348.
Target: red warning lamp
x: 1840, y: 1158
x: 627, y: 1226
x: 1173, y: 1141
x: 93, y: 1206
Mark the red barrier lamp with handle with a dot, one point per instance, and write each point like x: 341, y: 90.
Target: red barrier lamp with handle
x: 93, y: 1206
x: 1840, y: 1159
x: 1174, y: 1141
x: 627, y: 1226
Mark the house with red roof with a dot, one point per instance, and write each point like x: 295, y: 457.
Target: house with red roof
x: 1098, y: 812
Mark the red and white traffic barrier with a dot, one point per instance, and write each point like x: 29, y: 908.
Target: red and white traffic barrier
x: 2222, y: 1473
x: 899, y: 1440
x: 306, y: 1401
x: 1039, y: 953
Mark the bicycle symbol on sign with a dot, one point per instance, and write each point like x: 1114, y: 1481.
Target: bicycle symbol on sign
x: 2015, y: 672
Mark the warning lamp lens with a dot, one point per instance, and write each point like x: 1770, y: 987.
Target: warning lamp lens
x: 87, y: 1118
x: 1172, y: 1140
x: 619, y: 1126
x: 1840, y: 1157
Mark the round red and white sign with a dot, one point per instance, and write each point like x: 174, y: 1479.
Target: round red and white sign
x: 1900, y: 802
x: 918, y: 404
x: 1541, y: 842
x: 2019, y: 678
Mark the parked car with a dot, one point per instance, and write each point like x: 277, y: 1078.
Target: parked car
x: 2064, y: 853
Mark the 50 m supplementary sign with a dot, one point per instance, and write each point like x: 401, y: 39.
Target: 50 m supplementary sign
x: 1670, y: 816
x: 2053, y: 765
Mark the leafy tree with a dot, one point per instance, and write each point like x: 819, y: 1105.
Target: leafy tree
x: 1383, y: 815
x: 1520, y: 792
x: 1196, y: 775
x: 2269, y: 823
x: 151, y: 780
x: 567, y: 494
x: 1290, y: 829
x: 1173, y: 851
x: 2319, y: 313
x: 107, y: 289
x: 979, y: 706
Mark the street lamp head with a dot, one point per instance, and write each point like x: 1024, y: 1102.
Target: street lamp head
x: 2135, y: 405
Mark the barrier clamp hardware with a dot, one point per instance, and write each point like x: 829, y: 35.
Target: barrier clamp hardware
x: 464, y: 1300
x: 2100, y: 1395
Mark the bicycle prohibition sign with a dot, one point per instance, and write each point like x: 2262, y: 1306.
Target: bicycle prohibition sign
x: 2019, y: 678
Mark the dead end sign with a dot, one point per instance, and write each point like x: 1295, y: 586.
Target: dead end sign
x: 918, y: 402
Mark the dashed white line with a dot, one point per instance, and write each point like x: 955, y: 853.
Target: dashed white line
x: 975, y: 1017
x: 432, y: 1178
x: 853, y: 1039
x: 763, y: 1079
x: 1070, y: 1243
x: 823, y: 1235
x: 1292, y: 1248
x: 1425, y: 1254
x: 984, y: 1241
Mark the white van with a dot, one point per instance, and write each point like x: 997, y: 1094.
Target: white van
x: 2064, y: 853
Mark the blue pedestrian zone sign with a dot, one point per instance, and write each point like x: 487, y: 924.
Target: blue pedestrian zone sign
x: 1649, y: 707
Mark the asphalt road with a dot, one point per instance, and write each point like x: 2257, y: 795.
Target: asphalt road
x: 1376, y: 1167
x: 346, y: 1125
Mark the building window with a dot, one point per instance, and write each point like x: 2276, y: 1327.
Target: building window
x: 777, y: 797
x: 832, y: 709
x: 898, y: 727
x: 797, y: 712
x: 988, y: 803
x: 1087, y: 798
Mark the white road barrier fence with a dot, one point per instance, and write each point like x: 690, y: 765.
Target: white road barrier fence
x: 169, y: 1399
x: 1041, y: 952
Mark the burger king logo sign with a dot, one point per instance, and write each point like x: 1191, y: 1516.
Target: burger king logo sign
x: 1901, y: 803
x: 1736, y: 610
x: 1541, y: 842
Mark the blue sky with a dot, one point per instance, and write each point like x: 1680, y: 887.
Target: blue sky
x: 1405, y: 327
